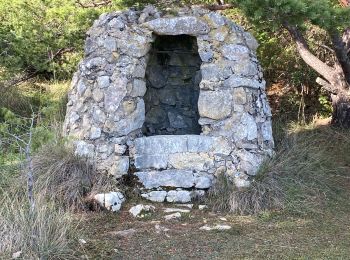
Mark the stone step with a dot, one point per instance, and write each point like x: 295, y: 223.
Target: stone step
x: 175, y: 179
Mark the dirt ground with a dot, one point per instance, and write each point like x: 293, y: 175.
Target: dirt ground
x: 268, y: 236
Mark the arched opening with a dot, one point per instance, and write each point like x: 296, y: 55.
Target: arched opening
x: 173, y: 77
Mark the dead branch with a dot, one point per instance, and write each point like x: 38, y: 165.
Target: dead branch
x: 93, y: 4
x: 217, y: 7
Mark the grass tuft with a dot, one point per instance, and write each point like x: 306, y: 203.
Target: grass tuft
x: 64, y: 176
x: 304, y: 176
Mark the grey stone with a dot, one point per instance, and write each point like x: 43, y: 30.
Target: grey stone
x: 138, y: 88
x: 216, y: 20
x: 204, y: 181
x: 115, y: 94
x: 176, y: 120
x: 235, y: 52
x: 160, y: 144
x: 234, y: 82
x: 175, y: 215
x: 103, y: 81
x: 95, y: 133
x: 151, y: 161
x: 138, y: 209
x: 179, y: 25
x: 178, y: 196
x: 83, y: 148
x: 215, y: 104
x: 166, y: 178
x: 193, y: 161
x: 156, y: 196
x: 120, y: 166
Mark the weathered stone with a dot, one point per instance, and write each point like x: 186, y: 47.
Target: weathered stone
x: 193, y: 161
x: 239, y: 96
x: 138, y: 209
x: 156, y: 196
x: 234, y: 82
x: 235, y: 52
x: 175, y: 215
x: 114, y: 94
x: 84, y: 149
x: 138, y: 88
x: 95, y: 132
x: 149, y: 161
x: 166, y: 178
x: 176, y: 120
x: 111, y: 201
x: 203, y: 180
x: 215, y: 104
x: 216, y: 227
x: 215, y: 19
x: 179, y: 25
x: 120, y: 166
x: 179, y: 196
x: 160, y: 144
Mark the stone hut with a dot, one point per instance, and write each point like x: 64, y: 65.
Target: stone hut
x: 174, y: 99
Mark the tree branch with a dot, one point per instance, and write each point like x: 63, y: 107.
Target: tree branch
x: 217, y: 7
x: 327, y: 72
x: 93, y: 4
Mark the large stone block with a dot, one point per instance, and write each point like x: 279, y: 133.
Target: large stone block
x: 215, y: 104
x: 193, y: 161
x: 166, y: 178
x: 189, y: 25
x: 160, y: 144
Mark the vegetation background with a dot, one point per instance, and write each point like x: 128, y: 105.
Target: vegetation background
x: 41, y: 43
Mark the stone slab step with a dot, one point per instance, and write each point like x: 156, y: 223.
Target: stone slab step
x: 175, y: 179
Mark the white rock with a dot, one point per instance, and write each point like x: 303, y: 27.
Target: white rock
x: 136, y: 210
x: 156, y: 196
x: 181, y: 196
x: 170, y: 210
x: 202, y: 207
x: 175, y: 215
x: 216, y: 227
x: 190, y: 206
x: 111, y: 201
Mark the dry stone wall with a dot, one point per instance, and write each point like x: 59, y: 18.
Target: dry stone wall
x: 107, y: 115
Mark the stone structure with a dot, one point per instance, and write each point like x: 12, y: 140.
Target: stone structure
x: 173, y: 99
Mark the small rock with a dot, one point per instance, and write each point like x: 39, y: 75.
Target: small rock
x: 216, y: 227
x: 160, y: 228
x: 170, y: 210
x: 136, y: 210
x: 16, y: 255
x: 82, y: 241
x: 125, y: 233
x: 190, y: 206
x: 202, y: 207
x: 223, y: 219
x: 111, y: 201
x: 173, y: 216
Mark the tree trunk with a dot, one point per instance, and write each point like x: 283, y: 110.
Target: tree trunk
x: 341, y: 110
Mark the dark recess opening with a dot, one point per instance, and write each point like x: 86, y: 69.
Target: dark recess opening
x: 173, y: 77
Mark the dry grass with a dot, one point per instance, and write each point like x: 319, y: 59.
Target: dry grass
x: 62, y: 175
x: 41, y: 234
x: 300, y: 178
